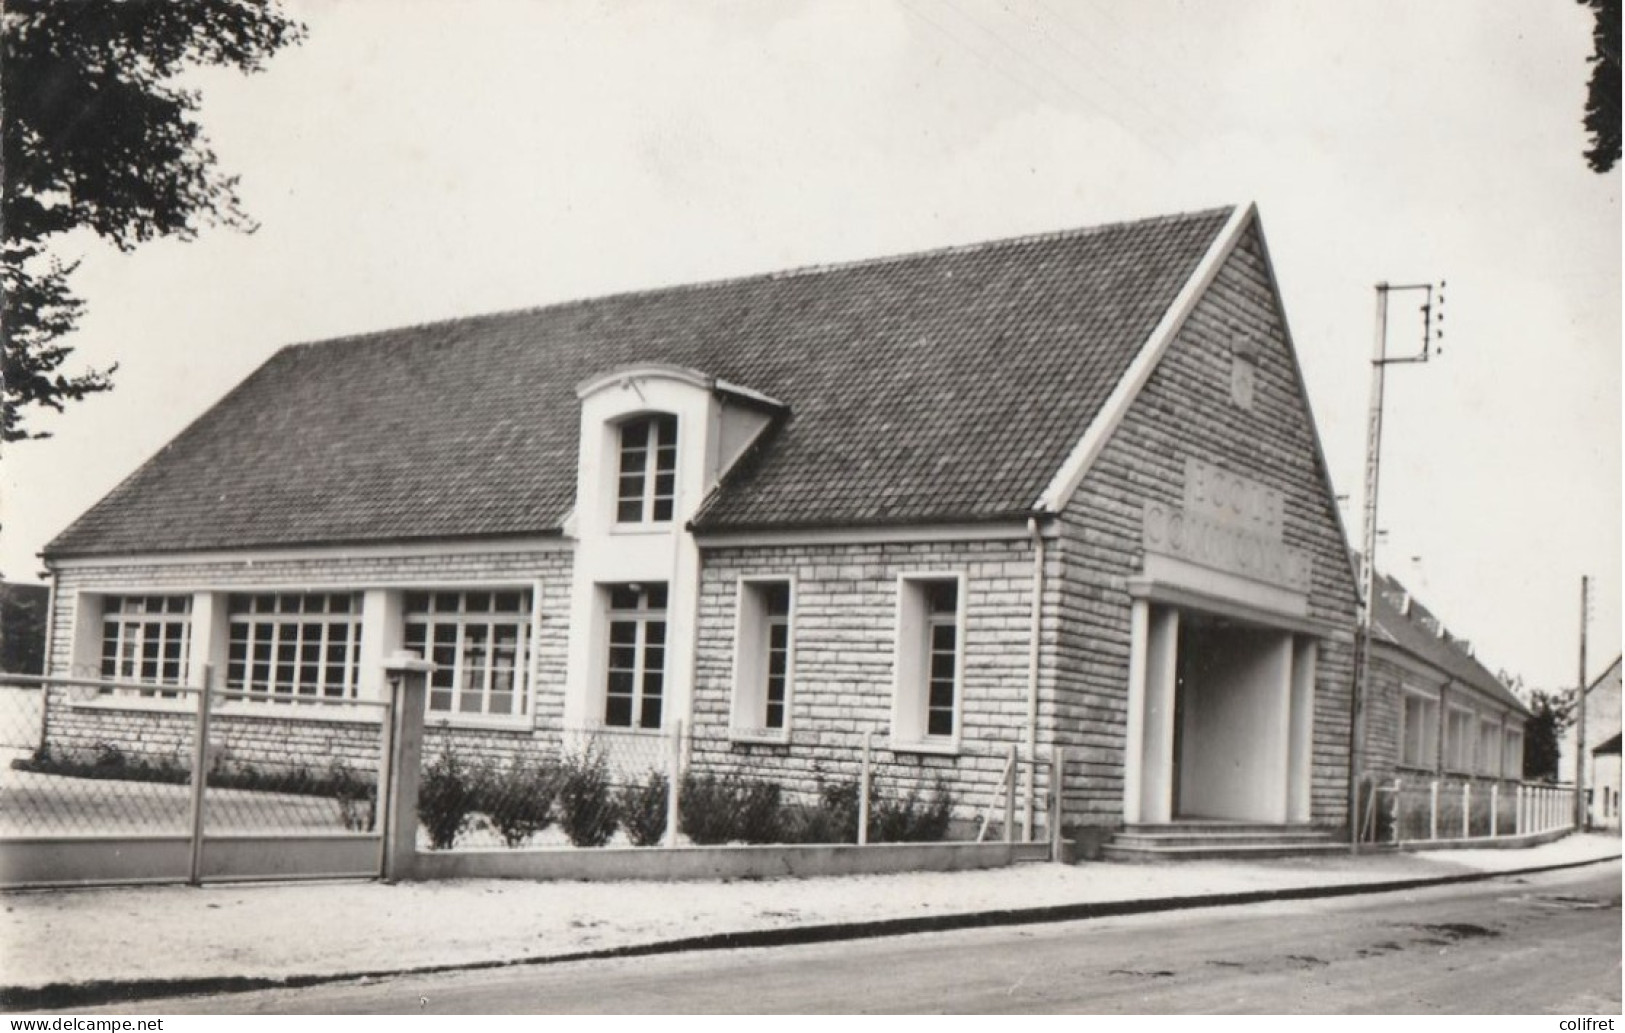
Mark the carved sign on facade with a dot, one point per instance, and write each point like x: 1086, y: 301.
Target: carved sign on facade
x: 1230, y: 523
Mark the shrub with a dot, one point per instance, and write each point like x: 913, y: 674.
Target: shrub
x: 705, y: 809
x: 911, y: 819
x: 357, y: 797
x: 447, y: 797
x: 758, y: 816
x: 586, y: 798
x: 729, y: 808
x: 518, y: 799
x: 832, y: 818
x: 642, y: 809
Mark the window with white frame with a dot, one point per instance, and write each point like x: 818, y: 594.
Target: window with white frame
x: 1489, y: 747
x: 646, y: 488
x: 930, y: 638
x: 146, y: 638
x: 1512, y: 754
x: 479, y: 641
x: 635, y: 675
x: 762, y: 658
x: 1419, y: 731
x: 1459, y: 734
x: 295, y: 645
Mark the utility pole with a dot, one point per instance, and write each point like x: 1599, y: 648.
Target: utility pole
x: 1581, y: 812
x: 1432, y: 312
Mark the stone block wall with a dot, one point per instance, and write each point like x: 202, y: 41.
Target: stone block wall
x: 845, y: 619
x: 79, y: 720
x: 1186, y: 410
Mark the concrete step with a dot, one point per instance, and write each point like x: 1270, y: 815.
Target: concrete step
x: 1215, y: 825
x: 1220, y: 851
x: 1172, y: 839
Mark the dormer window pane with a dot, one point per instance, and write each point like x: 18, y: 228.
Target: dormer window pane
x: 646, y: 488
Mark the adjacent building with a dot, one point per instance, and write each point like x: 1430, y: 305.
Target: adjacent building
x: 1433, y: 710
x: 1602, y: 728
x: 1058, y: 491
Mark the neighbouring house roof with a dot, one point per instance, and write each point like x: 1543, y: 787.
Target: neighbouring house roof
x: 1611, y: 746
x: 1609, y: 677
x: 945, y: 386
x: 1401, y: 621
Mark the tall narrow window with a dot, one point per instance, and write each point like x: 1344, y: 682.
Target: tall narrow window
x: 930, y: 627
x: 289, y: 645
x: 942, y: 637
x: 647, y: 486
x: 635, y: 679
x: 146, y: 638
x: 762, y: 660
x: 480, y: 644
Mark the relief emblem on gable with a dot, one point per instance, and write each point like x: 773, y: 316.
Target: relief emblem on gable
x: 1243, y: 371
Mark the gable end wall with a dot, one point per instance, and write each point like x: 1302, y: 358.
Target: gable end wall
x: 1185, y: 409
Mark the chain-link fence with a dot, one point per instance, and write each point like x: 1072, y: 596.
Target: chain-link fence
x: 300, y: 765
x: 88, y: 777
x: 91, y: 757
x: 613, y: 787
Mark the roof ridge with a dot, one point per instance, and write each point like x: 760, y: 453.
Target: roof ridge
x: 812, y: 269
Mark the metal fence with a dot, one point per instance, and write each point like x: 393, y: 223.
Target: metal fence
x: 230, y: 784
x: 612, y: 787
x: 89, y: 759
x: 1407, y: 812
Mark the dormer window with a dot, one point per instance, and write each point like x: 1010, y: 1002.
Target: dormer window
x: 647, y: 488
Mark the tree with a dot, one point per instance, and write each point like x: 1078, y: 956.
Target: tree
x: 1602, y: 93
x: 1543, y: 733
x: 99, y: 136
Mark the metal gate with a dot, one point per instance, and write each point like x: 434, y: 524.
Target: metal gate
x: 133, y: 782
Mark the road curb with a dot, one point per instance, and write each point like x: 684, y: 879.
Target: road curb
x: 62, y: 996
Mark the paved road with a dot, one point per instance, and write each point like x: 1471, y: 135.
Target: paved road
x: 1524, y: 944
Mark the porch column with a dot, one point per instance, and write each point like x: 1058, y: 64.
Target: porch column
x: 1157, y: 752
x: 1300, y: 748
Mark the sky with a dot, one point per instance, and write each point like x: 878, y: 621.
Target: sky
x: 416, y: 160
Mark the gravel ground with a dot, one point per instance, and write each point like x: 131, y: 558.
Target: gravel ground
x: 281, y: 930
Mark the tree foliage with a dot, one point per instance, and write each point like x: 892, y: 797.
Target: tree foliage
x: 99, y: 135
x: 1602, y: 93
x: 1543, y: 733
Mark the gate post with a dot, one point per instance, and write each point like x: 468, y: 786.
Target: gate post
x: 200, y: 778
x: 408, y: 684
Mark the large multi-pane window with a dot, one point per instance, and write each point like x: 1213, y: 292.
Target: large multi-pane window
x: 479, y: 642
x: 146, y: 638
x: 762, y: 658
x: 930, y: 629
x: 1419, y: 731
x: 635, y: 678
x: 647, y: 485
x: 292, y: 645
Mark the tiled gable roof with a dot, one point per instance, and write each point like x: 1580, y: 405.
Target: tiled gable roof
x: 943, y: 386
x: 1412, y: 628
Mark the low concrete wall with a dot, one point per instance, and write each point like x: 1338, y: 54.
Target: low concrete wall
x: 728, y: 862
x: 104, y: 860
x: 1498, y: 843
